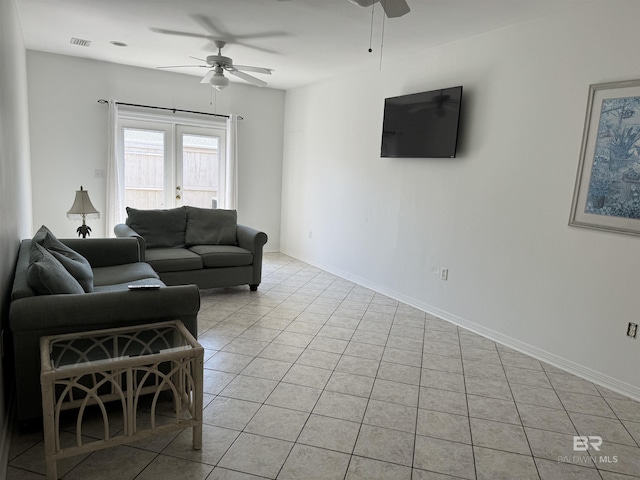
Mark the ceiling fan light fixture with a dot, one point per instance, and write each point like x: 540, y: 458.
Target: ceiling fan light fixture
x: 219, y: 81
x: 363, y: 3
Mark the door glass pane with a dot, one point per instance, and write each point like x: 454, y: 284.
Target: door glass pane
x: 200, y: 170
x: 144, y: 168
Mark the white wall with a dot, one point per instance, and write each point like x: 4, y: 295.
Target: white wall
x: 69, y: 135
x: 497, y: 215
x: 15, y: 189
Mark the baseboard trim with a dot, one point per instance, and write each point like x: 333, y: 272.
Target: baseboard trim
x: 535, y: 352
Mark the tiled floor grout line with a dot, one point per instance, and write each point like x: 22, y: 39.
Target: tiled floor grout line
x: 535, y: 464
x: 322, y: 390
x: 368, y: 400
x: 466, y: 397
x: 312, y: 408
x: 564, y: 409
x: 415, y: 434
x: 263, y: 403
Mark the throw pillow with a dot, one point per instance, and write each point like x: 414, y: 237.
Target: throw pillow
x: 207, y: 226
x: 159, y: 228
x: 40, y: 234
x: 47, y: 276
x: 76, y: 264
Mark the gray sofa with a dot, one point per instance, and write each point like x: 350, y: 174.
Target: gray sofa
x: 197, y: 245
x: 47, y: 301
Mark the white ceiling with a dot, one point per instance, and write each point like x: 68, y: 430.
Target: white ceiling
x: 302, y: 40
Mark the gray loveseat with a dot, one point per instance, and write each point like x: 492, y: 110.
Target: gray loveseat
x: 197, y: 245
x: 88, y: 291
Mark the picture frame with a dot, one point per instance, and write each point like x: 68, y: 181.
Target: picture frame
x: 607, y: 188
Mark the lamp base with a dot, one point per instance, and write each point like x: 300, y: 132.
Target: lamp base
x: 84, y: 230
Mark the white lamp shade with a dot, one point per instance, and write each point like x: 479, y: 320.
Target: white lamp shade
x: 82, y: 206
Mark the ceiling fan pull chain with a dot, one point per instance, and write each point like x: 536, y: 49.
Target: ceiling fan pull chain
x: 213, y: 98
x: 373, y: 9
x: 382, y: 35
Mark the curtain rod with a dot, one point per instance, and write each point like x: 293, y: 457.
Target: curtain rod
x: 174, y: 110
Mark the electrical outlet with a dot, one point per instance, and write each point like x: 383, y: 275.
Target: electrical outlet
x: 444, y: 274
x: 99, y: 173
x: 632, y: 330
x: 310, y: 235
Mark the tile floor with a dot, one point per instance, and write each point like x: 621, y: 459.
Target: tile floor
x: 314, y: 377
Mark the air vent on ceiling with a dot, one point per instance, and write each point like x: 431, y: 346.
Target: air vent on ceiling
x: 81, y: 42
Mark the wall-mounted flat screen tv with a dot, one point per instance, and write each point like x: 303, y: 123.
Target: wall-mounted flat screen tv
x: 422, y: 125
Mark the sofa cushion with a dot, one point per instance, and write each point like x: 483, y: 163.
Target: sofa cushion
x: 47, y: 276
x: 208, y: 226
x: 125, y: 273
x: 159, y: 228
x: 76, y: 264
x: 223, y: 255
x: 173, y: 259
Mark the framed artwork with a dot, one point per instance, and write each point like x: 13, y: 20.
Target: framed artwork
x: 607, y: 190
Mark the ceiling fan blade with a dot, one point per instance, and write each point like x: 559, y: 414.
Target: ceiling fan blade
x: 196, y: 58
x: 247, y: 68
x: 245, y: 76
x: 179, y: 33
x: 395, y: 8
x: 207, y: 76
x: 259, y: 49
x: 184, y: 66
x: 211, y: 26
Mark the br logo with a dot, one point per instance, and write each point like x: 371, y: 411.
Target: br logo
x: 582, y: 443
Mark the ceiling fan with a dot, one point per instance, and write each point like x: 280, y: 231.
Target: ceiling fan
x: 219, y: 64
x: 393, y: 8
x: 219, y: 36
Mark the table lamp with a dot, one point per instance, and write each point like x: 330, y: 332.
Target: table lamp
x: 83, y: 207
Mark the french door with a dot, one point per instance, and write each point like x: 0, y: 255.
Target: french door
x: 168, y: 165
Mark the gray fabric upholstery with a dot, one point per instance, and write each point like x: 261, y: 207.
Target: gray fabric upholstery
x: 218, y: 265
x: 208, y: 226
x: 223, y: 255
x: 110, y: 305
x: 40, y: 234
x: 211, y: 277
x: 103, y: 252
x: 127, y: 273
x: 47, y: 276
x: 173, y: 259
x: 159, y: 228
x: 76, y: 264
x: 125, y: 231
x: 115, y: 287
x: 253, y: 240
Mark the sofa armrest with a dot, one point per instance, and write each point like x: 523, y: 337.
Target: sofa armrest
x: 104, y: 252
x: 33, y: 317
x: 251, y: 239
x: 87, y: 311
x: 123, y: 230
